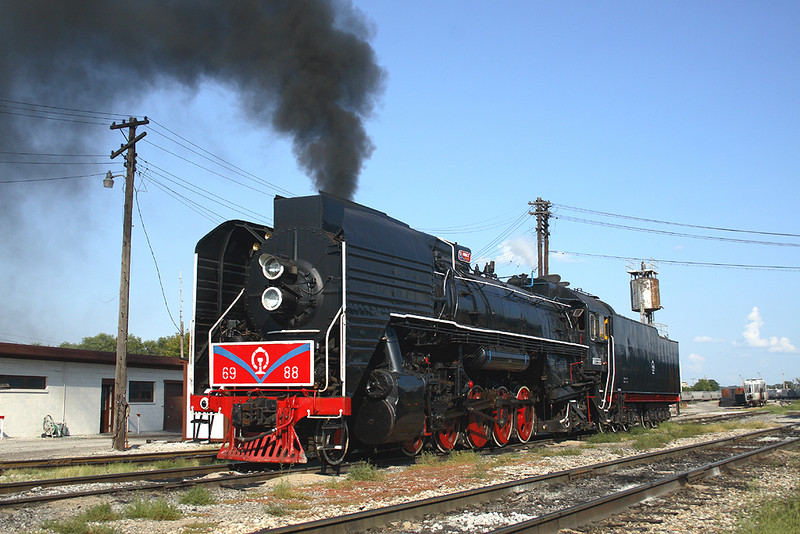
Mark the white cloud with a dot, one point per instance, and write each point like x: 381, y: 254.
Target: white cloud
x: 696, y: 363
x: 708, y: 339
x: 563, y: 257
x: 752, y: 335
x: 520, y: 250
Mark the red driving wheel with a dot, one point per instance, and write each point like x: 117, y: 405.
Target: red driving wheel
x: 478, y: 428
x: 504, y: 425
x: 525, y: 415
x: 447, y: 438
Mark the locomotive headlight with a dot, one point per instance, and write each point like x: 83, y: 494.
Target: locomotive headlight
x: 272, y: 298
x: 271, y: 267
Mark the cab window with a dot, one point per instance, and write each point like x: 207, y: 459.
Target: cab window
x: 593, y: 326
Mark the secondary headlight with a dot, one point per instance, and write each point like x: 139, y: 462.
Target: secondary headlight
x: 271, y: 299
x: 270, y: 266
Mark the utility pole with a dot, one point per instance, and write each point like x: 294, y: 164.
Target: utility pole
x: 180, y: 283
x: 542, y: 213
x: 120, y: 440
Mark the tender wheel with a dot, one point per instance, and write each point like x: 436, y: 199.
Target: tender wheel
x: 447, y: 438
x: 333, y: 440
x: 504, y: 428
x: 412, y: 447
x: 478, y: 428
x: 524, y: 417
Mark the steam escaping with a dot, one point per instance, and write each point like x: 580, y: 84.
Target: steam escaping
x: 304, y: 67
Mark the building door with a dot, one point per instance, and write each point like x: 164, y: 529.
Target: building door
x: 173, y: 405
x: 107, y: 405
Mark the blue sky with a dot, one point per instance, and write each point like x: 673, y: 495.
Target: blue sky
x: 683, y: 111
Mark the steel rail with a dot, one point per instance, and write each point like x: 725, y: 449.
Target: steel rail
x: 153, y: 474
x: 166, y: 474
x: 605, y: 506
x: 105, y: 459
x: 379, y: 517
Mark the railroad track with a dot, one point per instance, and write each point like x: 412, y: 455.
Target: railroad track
x: 201, y: 454
x: 157, y: 479
x: 510, y: 495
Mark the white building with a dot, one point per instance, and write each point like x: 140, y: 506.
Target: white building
x: 76, y: 387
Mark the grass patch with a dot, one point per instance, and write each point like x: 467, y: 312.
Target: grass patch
x: 479, y: 470
x: 607, y: 437
x: 276, y: 509
x: 83, y: 522
x: 284, y: 490
x: 649, y: 441
x: 71, y: 471
x: 335, y: 483
x: 774, y: 516
x: 561, y: 451
x: 645, y: 439
x: 364, y: 472
x: 197, y: 496
x: 426, y: 459
x: 158, y: 510
x: 781, y: 408
x: 199, y: 528
x: 462, y: 457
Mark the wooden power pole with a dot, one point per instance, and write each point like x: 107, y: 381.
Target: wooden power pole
x: 542, y: 213
x: 120, y: 442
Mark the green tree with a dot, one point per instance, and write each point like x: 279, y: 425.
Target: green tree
x: 705, y: 384
x: 101, y: 342
x: 163, y: 346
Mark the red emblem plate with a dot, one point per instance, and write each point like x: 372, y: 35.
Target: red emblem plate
x: 265, y: 363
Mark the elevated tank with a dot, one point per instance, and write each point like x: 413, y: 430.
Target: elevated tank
x: 645, y: 295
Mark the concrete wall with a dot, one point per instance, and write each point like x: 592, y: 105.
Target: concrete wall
x: 73, y: 396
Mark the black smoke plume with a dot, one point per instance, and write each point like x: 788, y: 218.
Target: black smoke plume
x: 302, y: 66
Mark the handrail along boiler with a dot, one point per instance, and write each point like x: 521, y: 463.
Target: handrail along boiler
x: 342, y: 327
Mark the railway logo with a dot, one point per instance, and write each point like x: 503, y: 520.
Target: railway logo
x: 259, y: 360
x: 464, y: 255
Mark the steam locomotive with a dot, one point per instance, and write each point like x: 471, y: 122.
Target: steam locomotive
x: 342, y: 328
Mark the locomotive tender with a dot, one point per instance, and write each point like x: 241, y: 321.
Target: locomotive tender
x: 344, y: 328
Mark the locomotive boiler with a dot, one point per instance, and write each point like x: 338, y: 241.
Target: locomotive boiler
x: 344, y: 328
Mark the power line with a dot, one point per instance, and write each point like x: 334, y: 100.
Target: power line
x: 55, y: 162
x: 51, y: 179
x: 519, y: 221
x: 58, y: 110
x: 192, y: 205
x: 783, y: 268
x: 41, y: 154
x: 675, y: 234
x: 202, y: 152
x: 717, y: 228
x: 155, y: 262
x: 497, y: 222
x: 199, y: 190
x: 208, y: 170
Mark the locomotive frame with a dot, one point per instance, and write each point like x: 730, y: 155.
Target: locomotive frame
x: 344, y: 327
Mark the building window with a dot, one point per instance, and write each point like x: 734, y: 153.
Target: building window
x: 23, y: 382
x: 141, y: 392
